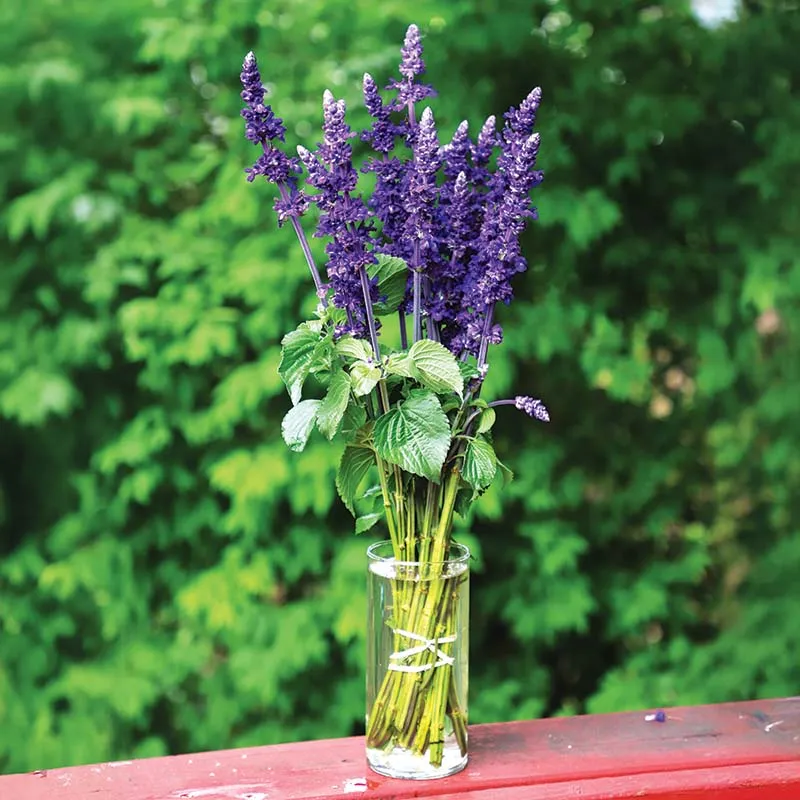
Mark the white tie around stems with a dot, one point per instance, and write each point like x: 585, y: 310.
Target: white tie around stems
x: 427, y: 644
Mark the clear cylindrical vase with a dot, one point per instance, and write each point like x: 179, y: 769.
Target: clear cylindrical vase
x: 417, y: 664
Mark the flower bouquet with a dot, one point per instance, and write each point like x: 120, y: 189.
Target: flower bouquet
x: 397, y: 355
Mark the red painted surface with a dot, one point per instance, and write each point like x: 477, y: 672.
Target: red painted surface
x: 735, y: 751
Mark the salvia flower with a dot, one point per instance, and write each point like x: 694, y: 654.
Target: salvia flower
x: 409, y: 90
x: 384, y: 131
x: 261, y: 123
x: 453, y: 213
x: 421, y: 190
x: 264, y: 128
x: 344, y: 216
x: 532, y: 407
x: 487, y: 141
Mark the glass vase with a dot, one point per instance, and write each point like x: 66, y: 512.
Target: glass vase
x: 417, y: 664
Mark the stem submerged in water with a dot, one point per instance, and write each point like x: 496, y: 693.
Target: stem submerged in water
x: 411, y: 708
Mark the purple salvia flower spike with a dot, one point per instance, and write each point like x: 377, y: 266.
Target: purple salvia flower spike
x: 522, y: 119
x: 343, y: 219
x: 487, y: 141
x: 420, y: 201
x: 412, y: 64
x: 373, y: 101
x: 532, y: 407
x: 264, y: 128
x: 409, y: 91
x: 456, y: 153
x: 262, y: 125
x: 421, y: 193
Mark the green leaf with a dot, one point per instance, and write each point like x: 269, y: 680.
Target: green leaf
x: 485, y: 420
x: 415, y: 435
x: 297, y: 356
x: 355, y: 348
x: 480, y: 464
x: 367, y: 521
x: 353, y: 420
x: 437, y: 367
x: 333, y: 406
x: 364, y: 377
x: 402, y: 364
x: 353, y: 468
x: 298, y: 424
x: 468, y: 369
x: 508, y: 475
x: 392, y: 275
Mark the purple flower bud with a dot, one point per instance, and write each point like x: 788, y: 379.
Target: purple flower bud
x: 487, y: 141
x: 383, y: 132
x: 290, y: 206
x: 274, y: 165
x: 455, y: 153
x: 335, y: 149
x: 412, y: 63
x: 521, y: 120
x: 411, y: 67
x: 532, y: 407
x: 421, y: 192
x: 261, y: 123
x: 343, y: 218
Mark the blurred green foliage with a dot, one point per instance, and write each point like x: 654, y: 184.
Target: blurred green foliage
x: 174, y: 579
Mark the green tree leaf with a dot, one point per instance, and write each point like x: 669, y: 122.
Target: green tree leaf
x: 364, y: 377
x: 392, y: 275
x: 297, y: 357
x: 415, y: 435
x: 353, y: 468
x: 480, y: 464
x: 437, y: 367
x: 333, y: 406
x: 298, y: 424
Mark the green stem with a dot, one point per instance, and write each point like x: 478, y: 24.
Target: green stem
x: 411, y: 707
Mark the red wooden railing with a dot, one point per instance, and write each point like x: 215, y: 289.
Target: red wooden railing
x: 738, y: 751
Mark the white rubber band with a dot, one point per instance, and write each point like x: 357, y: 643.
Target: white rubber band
x: 442, y: 659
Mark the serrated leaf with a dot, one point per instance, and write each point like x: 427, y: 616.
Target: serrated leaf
x: 364, y: 377
x: 334, y: 404
x: 367, y: 521
x: 402, y: 364
x: 485, y: 420
x: 480, y: 464
x: 297, y: 355
x: 468, y: 369
x: 464, y: 498
x: 353, y: 468
x: 355, y: 348
x: 508, y: 475
x: 437, y: 367
x: 352, y: 421
x: 298, y: 424
x: 415, y: 435
x: 392, y: 275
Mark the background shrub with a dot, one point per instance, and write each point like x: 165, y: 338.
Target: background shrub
x: 173, y: 579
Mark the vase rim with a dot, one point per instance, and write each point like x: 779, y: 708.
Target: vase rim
x: 460, y: 555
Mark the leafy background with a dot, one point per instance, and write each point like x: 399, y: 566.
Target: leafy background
x: 174, y: 579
